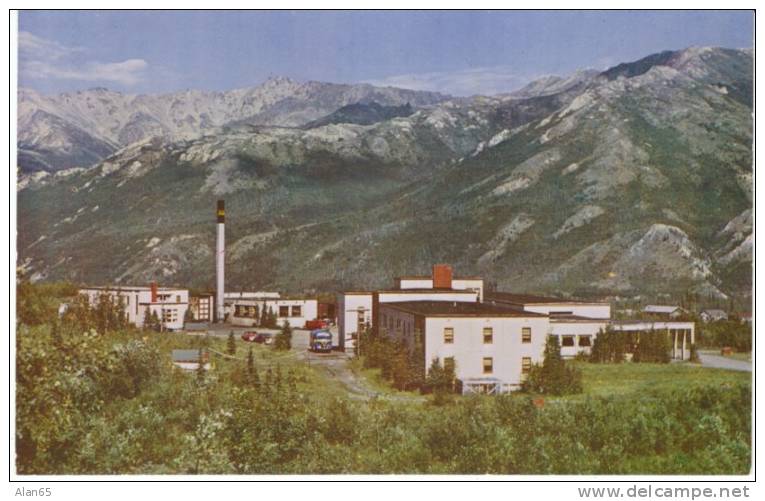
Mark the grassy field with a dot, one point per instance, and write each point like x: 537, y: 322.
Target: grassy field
x: 619, y: 379
x: 608, y: 379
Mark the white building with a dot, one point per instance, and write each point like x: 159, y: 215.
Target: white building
x: 356, y: 309
x: 295, y: 310
x: 170, y: 304
x: 491, y: 347
x: 713, y: 315
x: 576, y: 323
x: 659, y: 310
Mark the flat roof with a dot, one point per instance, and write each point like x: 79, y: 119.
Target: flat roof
x: 428, y: 277
x: 420, y: 291
x: 129, y: 288
x: 661, y: 308
x: 244, y: 300
x: 576, y: 318
x: 511, y: 297
x: 653, y: 323
x: 458, y: 309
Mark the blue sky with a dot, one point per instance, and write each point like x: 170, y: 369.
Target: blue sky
x: 457, y: 52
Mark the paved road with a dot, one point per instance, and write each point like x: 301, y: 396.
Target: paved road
x: 720, y: 362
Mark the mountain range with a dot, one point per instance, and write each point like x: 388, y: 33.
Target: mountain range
x: 634, y: 180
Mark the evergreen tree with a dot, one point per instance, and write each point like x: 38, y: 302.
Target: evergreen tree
x: 231, y: 344
x: 440, y: 381
x: 256, y: 315
x: 250, y: 362
x: 264, y: 317
x: 188, y: 317
x: 283, y: 340
x: 155, y: 323
x: 400, y: 368
x: 609, y: 346
x: 553, y: 377
x: 653, y: 346
x: 291, y: 381
x: 255, y: 379
x: 272, y: 318
x: 201, y: 368
x: 146, y: 320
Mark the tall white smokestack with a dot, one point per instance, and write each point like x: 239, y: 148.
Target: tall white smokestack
x: 220, y: 261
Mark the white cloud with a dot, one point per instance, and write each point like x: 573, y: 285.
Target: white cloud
x: 40, y: 58
x: 129, y: 72
x: 34, y: 47
x: 486, y: 81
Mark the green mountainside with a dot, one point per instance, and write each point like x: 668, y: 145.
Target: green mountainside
x: 637, y: 180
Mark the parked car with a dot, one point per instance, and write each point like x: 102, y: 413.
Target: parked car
x: 312, y: 325
x: 264, y: 338
x: 250, y: 336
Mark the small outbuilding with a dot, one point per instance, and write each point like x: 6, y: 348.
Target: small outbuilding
x: 191, y: 359
x: 713, y: 315
x: 664, y: 311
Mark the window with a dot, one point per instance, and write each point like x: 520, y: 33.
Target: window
x: 296, y: 311
x: 488, y: 335
x: 526, y: 335
x: 448, y: 335
x: 284, y: 311
x: 449, y: 364
x: 488, y: 365
x: 525, y: 365
x: 169, y: 316
x: 585, y: 341
x: 560, y: 313
x: 177, y: 299
x: 567, y: 341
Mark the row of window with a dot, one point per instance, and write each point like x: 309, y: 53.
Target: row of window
x: 488, y: 335
x: 488, y: 364
x: 584, y: 341
x: 169, y: 316
x: 284, y: 311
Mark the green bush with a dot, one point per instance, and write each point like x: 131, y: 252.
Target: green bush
x: 733, y: 333
x: 553, y: 376
x: 609, y: 346
x: 283, y: 340
x: 653, y: 347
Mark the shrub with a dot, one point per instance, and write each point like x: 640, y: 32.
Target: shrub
x: 609, y: 346
x: 283, y: 340
x: 653, y: 347
x: 554, y: 376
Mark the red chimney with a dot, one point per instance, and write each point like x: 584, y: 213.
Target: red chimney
x: 442, y: 276
x: 154, y: 292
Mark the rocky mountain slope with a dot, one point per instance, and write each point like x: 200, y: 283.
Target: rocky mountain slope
x: 636, y: 180
x: 82, y: 128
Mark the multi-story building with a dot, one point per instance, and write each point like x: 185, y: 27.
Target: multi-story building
x: 169, y: 304
x: 491, y: 348
x: 358, y: 309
